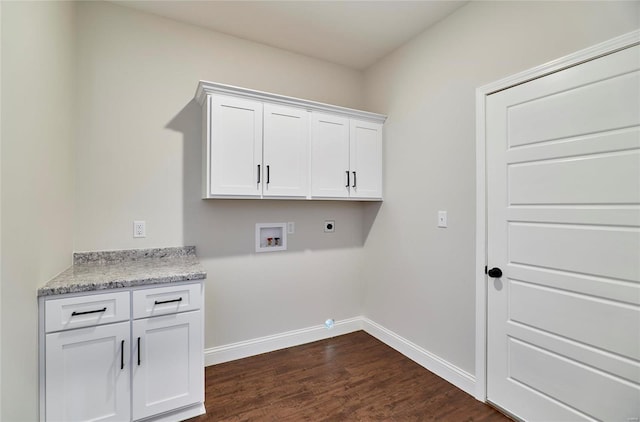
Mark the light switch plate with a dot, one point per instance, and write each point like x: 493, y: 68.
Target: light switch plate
x: 442, y: 219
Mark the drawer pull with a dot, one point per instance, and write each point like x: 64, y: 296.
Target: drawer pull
x: 122, y: 355
x: 138, y: 351
x: 160, y: 302
x: 74, y: 313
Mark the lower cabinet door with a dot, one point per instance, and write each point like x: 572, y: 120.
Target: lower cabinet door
x: 87, y: 374
x: 167, y: 362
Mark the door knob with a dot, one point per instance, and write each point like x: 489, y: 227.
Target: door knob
x: 495, y: 272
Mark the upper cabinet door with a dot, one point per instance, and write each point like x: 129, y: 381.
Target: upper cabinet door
x: 366, y: 159
x: 285, y: 171
x: 234, y: 147
x: 330, y: 177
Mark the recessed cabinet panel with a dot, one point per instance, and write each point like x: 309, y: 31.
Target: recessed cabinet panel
x: 235, y: 149
x: 168, y: 363
x: 87, y: 374
x: 329, y: 156
x: 286, y: 138
x: 366, y: 159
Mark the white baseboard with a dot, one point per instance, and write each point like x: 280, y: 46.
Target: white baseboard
x: 178, y: 415
x: 267, y: 344
x: 451, y: 373
x: 442, y: 368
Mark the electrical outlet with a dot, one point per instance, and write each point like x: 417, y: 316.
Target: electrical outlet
x: 442, y: 219
x: 139, y: 228
x: 291, y: 227
x: 329, y: 226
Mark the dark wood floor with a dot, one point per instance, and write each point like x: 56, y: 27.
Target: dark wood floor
x: 353, y: 377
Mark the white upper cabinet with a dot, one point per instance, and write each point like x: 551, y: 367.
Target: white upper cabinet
x: 262, y: 145
x: 329, y: 156
x: 365, y: 159
x: 234, y: 152
x: 285, y: 169
x: 346, y: 158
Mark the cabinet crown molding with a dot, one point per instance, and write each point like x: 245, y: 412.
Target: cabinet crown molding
x: 207, y: 88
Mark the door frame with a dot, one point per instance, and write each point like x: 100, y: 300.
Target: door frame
x: 619, y: 43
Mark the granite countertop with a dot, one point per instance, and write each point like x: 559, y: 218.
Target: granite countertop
x: 128, y: 268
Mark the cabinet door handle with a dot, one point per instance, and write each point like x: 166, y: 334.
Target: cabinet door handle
x: 268, y: 175
x: 122, y: 355
x: 348, y: 182
x: 258, y: 173
x: 160, y: 302
x: 74, y: 313
x: 138, y: 351
x: 354, y: 179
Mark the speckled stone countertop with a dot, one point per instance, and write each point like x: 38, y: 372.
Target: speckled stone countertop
x: 129, y: 268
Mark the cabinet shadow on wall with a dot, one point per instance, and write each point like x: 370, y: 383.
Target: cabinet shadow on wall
x: 226, y: 227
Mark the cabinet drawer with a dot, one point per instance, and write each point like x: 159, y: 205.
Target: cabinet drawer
x: 85, y: 311
x: 166, y: 300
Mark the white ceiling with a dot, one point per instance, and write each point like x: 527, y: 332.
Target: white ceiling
x: 351, y: 33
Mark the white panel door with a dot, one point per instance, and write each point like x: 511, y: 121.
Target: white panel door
x: 563, y: 177
x: 235, y: 146
x: 167, y: 362
x: 330, y: 177
x: 87, y: 374
x: 286, y: 151
x: 365, y: 157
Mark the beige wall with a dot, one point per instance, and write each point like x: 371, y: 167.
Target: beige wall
x: 37, y: 184
x: 135, y: 155
x: 423, y: 288
x: 1, y: 382
x: 0, y: 210
x: 138, y: 157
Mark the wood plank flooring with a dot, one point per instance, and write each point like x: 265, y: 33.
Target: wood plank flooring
x: 353, y: 377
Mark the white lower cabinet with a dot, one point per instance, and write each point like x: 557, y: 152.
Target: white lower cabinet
x: 118, y: 368
x: 88, y: 374
x: 167, y: 363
